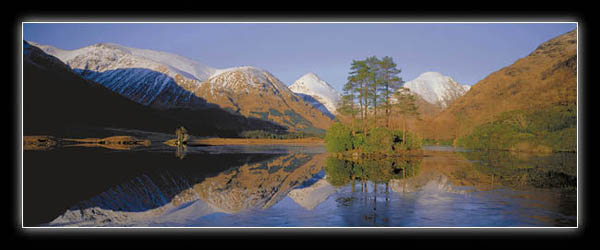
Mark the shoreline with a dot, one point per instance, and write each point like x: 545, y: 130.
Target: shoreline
x: 215, y: 141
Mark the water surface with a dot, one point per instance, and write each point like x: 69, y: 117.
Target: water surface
x: 287, y: 186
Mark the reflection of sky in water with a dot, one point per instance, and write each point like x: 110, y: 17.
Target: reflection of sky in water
x: 425, y: 208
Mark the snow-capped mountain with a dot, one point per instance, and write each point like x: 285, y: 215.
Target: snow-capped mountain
x: 152, y: 78
x: 164, y: 80
x: 317, y: 92
x: 436, y: 88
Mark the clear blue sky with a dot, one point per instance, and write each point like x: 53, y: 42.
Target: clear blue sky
x: 466, y: 52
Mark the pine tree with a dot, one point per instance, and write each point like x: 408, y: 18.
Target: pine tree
x: 390, y: 83
x: 405, y: 106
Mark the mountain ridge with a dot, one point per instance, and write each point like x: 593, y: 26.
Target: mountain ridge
x: 142, y: 76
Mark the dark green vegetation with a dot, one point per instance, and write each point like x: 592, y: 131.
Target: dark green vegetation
x: 544, y: 130
x: 342, y: 171
x: 340, y: 138
x: 557, y: 170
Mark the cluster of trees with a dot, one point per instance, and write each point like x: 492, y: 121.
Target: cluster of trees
x: 547, y: 129
x: 262, y: 134
x: 373, y: 97
x: 340, y: 138
x: 374, y: 94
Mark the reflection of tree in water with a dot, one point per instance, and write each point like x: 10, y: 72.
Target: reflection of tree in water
x: 558, y: 170
x: 180, y: 151
x: 379, y: 171
x: 341, y: 172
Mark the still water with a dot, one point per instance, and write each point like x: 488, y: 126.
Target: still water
x: 286, y: 186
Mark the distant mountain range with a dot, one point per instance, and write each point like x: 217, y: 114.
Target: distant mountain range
x: 167, y: 81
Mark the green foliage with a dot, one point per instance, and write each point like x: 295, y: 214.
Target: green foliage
x: 554, y: 128
x: 338, y: 138
x: 359, y: 141
x: 413, y: 142
x: 379, y: 140
x: 370, y: 88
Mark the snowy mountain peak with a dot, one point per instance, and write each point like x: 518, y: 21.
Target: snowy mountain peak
x: 323, y: 96
x: 245, y: 77
x: 437, y: 88
x: 114, y: 56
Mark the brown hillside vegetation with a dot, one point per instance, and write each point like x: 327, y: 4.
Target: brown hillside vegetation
x: 546, y: 77
x: 253, y: 93
x: 422, y: 124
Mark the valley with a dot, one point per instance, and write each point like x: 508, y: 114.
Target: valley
x: 285, y: 129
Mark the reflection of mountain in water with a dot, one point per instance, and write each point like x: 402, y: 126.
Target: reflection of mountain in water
x: 438, y: 183
x: 145, y: 200
x: 311, y: 196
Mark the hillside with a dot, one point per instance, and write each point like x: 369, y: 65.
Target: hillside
x: 167, y: 81
x: 543, y: 81
x: 254, y: 92
x: 59, y: 102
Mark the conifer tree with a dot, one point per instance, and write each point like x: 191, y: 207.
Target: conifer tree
x: 405, y: 106
x: 390, y: 83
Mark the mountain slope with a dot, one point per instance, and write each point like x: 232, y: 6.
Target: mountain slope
x: 158, y: 79
x: 545, y: 78
x: 56, y: 100
x: 436, y: 88
x: 167, y: 81
x: 254, y: 92
x: 317, y: 92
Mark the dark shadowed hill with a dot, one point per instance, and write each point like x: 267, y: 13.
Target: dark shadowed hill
x: 59, y: 102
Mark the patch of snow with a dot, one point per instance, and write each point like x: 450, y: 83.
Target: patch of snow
x: 436, y: 88
x: 310, y: 84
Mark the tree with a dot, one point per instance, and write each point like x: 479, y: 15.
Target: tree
x: 338, y: 138
x: 358, y: 85
x: 390, y: 83
x: 405, y: 106
x: 374, y: 79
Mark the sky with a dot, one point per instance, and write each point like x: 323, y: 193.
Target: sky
x: 467, y: 52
